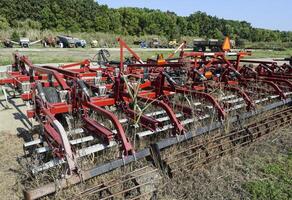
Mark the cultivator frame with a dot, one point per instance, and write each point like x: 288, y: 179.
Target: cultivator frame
x: 79, y: 92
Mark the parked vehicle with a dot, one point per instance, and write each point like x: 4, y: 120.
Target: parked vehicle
x: 24, y: 42
x: 172, y: 44
x: 154, y: 43
x: 94, y: 44
x: 66, y: 41
x: 8, y: 43
x: 70, y: 42
x: 143, y: 44
x: 213, y: 45
x: 49, y: 41
x: 80, y: 43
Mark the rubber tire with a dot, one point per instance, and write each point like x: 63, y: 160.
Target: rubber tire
x: 51, y: 94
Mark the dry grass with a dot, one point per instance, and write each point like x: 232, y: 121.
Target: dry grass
x: 226, y: 179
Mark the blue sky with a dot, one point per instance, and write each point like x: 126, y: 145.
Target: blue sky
x: 271, y: 14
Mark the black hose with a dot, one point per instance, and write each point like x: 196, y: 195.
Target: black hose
x: 83, y: 87
x: 41, y: 91
x: 171, y: 81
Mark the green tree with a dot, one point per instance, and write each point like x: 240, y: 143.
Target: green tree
x: 4, y: 25
x: 89, y: 16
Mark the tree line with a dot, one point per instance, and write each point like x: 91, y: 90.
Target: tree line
x: 90, y: 16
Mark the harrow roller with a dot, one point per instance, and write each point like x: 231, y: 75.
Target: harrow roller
x: 201, y: 153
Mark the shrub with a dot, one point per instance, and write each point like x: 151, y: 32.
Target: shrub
x: 4, y: 25
x: 15, y: 36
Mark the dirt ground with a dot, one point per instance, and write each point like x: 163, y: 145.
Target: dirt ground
x: 10, y: 149
x: 13, y: 127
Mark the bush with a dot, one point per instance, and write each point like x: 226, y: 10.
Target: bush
x: 4, y: 25
x: 15, y: 36
x: 28, y: 24
x: 23, y: 34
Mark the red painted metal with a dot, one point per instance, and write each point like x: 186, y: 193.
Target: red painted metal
x: 207, y: 97
x: 86, y: 90
x: 127, y: 147
x: 244, y: 95
x: 178, y: 128
x: 124, y: 45
x: 145, y: 121
x: 96, y: 128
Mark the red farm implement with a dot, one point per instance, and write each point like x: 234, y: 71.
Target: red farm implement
x: 94, y: 119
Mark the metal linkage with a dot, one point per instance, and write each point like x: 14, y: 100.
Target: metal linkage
x: 76, y: 101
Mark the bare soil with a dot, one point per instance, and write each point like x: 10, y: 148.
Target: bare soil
x: 13, y: 132
x: 10, y: 149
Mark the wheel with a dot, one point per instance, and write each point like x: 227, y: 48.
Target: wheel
x: 51, y: 94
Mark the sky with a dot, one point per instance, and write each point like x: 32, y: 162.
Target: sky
x: 269, y: 14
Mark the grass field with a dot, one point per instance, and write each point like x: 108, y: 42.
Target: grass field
x: 72, y: 55
x: 271, y: 54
